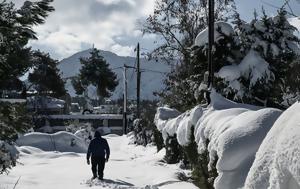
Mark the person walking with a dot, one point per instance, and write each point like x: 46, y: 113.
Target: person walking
x: 99, y: 152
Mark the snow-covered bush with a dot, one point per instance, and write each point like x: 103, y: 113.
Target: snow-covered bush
x: 225, y: 139
x: 253, y: 61
x: 142, y: 134
x: 14, y: 120
x: 277, y: 162
x: 270, y: 49
x: 85, y: 133
x: 234, y: 134
x: 145, y: 131
x: 8, y: 157
x: 174, y: 152
x: 82, y: 130
x: 203, y: 176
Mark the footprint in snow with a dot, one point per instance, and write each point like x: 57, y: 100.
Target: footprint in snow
x: 118, y: 184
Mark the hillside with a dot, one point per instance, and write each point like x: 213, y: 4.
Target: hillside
x: 153, y: 74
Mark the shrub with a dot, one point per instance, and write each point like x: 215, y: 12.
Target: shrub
x: 202, y: 174
x: 14, y: 120
x: 174, y: 152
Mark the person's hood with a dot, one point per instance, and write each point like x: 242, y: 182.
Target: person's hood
x: 97, y: 134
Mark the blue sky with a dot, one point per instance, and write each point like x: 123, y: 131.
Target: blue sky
x: 111, y: 24
x: 246, y: 7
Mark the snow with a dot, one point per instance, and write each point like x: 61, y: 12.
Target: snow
x: 221, y: 29
x: 60, y: 141
x: 235, y: 135
x: 277, y: 162
x: 234, y: 131
x: 129, y: 167
x: 219, y: 103
x: 171, y: 126
x: 259, y: 25
x: 162, y: 115
x: 229, y: 73
x: 184, y: 128
x: 252, y: 67
x: 255, y: 66
x: 13, y: 100
x: 87, y: 116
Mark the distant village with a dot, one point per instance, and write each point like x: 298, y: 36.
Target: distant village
x: 51, y: 114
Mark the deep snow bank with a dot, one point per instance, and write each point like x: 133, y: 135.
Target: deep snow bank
x: 277, y: 162
x: 234, y: 131
x: 235, y: 135
x: 60, y: 141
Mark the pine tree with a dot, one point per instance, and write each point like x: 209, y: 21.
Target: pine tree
x: 273, y: 41
x: 226, y: 52
x: 15, y: 31
x: 13, y: 120
x: 45, y: 76
x: 187, y: 86
x: 95, y: 71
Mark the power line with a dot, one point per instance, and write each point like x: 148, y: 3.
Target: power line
x: 133, y: 71
x: 276, y: 7
x: 154, y: 71
x: 120, y: 67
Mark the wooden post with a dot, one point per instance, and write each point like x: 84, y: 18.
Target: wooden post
x: 125, y: 101
x: 138, y: 82
x: 211, y: 22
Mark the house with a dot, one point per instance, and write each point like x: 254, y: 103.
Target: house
x: 45, y: 105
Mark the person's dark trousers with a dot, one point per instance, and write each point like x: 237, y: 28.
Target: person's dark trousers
x: 98, y: 164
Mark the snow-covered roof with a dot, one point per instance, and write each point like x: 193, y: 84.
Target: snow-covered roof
x: 45, y: 102
x: 13, y: 100
x: 87, y: 116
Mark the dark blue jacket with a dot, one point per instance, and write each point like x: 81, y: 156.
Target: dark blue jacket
x: 98, y: 147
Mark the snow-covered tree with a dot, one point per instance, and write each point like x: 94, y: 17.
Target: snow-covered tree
x: 144, y: 130
x: 95, y: 71
x: 8, y: 157
x: 178, y: 23
x: 270, y: 50
x: 13, y: 121
x: 226, y: 52
x: 16, y: 29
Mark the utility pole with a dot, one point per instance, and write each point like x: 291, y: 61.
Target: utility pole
x: 138, y: 81
x: 125, y: 101
x: 211, y: 22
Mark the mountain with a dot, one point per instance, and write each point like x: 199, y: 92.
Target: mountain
x: 152, y: 76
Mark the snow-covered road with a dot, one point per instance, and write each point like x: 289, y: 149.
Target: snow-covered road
x: 130, y: 166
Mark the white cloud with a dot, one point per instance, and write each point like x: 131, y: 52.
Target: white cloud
x: 123, y: 50
x: 77, y: 24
